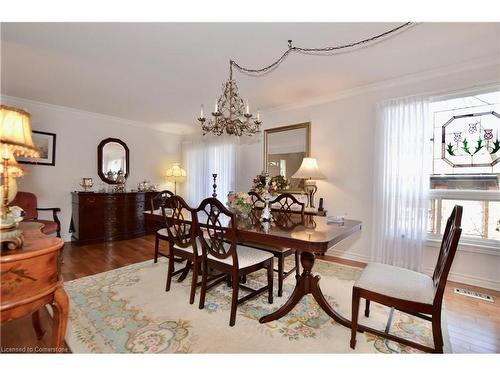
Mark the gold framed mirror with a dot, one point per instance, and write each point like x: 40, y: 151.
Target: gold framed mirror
x: 284, y: 149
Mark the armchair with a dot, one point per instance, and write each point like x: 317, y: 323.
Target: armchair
x: 28, y: 202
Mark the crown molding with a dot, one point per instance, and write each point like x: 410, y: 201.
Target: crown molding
x: 81, y: 112
x: 393, y: 82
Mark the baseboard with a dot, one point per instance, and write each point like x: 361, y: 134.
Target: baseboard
x: 481, y: 282
x: 347, y: 255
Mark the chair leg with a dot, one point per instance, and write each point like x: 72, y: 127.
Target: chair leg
x: 35, y: 319
x: 281, y: 263
x: 170, y: 270
x: 297, y: 265
x: 194, y: 281
x: 367, y: 308
x: 270, y: 271
x: 437, y: 333
x: 204, y: 271
x: 354, y: 319
x: 234, y: 300
x: 157, y: 247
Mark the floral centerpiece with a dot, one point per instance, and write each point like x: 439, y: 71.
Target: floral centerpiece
x: 240, y: 203
x: 275, y: 183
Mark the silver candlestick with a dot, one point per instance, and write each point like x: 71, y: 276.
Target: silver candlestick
x: 266, y: 216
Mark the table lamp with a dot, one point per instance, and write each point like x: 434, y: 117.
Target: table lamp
x: 175, y: 174
x: 310, y: 172
x: 15, y: 140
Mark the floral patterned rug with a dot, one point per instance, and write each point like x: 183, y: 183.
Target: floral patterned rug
x: 128, y: 311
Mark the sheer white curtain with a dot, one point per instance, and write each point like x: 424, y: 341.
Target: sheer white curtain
x: 203, y: 157
x: 403, y: 158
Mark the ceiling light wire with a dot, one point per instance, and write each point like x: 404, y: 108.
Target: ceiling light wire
x: 313, y: 51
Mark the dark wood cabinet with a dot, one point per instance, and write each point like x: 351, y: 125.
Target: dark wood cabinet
x: 108, y: 216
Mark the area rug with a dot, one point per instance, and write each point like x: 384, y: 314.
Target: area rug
x: 127, y: 310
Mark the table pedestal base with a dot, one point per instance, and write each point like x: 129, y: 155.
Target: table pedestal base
x: 307, y: 283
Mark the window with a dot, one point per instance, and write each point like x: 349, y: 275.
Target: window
x: 466, y: 166
x: 204, y: 158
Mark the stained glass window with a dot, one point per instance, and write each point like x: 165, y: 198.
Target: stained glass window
x: 466, y: 165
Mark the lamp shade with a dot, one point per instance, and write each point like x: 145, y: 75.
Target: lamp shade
x: 15, y: 132
x: 13, y: 169
x: 175, y: 173
x: 309, y: 170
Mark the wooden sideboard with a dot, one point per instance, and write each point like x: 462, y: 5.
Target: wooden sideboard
x: 30, y: 279
x: 108, y: 216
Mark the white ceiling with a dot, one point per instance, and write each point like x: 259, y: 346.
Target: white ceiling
x: 160, y: 73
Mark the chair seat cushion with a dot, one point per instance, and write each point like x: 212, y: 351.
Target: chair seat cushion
x: 162, y: 232
x: 49, y: 227
x: 397, y: 282
x: 246, y: 257
x: 188, y: 249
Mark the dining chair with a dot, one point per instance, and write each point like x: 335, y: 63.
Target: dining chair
x: 157, y: 203
x: 181, y: 235
x: 285, y: 208
x: 217, y: 235
x: 408, y: 291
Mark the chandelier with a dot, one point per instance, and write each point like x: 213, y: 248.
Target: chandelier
x: 230, y: 115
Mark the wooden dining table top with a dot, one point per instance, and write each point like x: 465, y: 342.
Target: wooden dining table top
x: 305, y: 233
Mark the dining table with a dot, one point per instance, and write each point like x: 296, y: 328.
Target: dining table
x: 309, y: 235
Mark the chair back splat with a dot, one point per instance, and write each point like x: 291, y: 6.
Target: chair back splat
x: 257, y: 201
x: 216, y: 230
x: 181, y: 223
x: 286, y: 208
x: 159, y: 199
x: 447, y: 252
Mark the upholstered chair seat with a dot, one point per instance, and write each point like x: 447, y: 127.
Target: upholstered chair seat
x: 397, y: 282
x: 49, y: 227
x: 247, y: 257
x: 162, y: 232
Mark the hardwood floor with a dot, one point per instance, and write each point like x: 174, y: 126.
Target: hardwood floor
x: 473, y: 325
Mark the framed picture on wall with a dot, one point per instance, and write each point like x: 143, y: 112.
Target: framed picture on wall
x: 46, y: 143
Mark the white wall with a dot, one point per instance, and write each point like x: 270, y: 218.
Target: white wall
x: 342, y: 139
x: 78, y: 135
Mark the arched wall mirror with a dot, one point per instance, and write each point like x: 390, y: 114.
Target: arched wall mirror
x: 284, y: 149
x: 112, y: 157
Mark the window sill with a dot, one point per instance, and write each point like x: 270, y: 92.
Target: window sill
x: 487, y: 248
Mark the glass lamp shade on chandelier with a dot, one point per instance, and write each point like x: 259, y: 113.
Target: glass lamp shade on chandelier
x: 175, y: 174
x: 15, y: 140
x: 230, y: 116
x: 310, y: 172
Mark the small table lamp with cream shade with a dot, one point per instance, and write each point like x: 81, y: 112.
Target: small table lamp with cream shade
x: 175, y: 174
x: 15, y: 140
x: 310, y: 172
